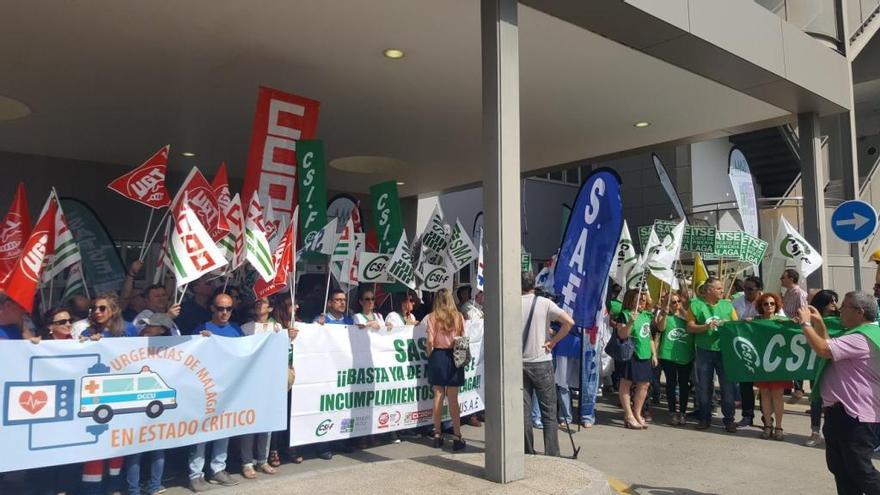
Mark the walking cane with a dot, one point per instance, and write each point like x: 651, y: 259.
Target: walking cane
x: 575, y: 449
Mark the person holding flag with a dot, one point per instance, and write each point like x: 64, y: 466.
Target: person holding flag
x: 676, y: 353
x: 634, y: 323
x: 707, y: 312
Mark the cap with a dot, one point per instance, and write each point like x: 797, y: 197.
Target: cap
x: 159, y: 320
x: 875, y: 256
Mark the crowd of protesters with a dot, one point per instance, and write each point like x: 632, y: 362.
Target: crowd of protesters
x: 676, y: 336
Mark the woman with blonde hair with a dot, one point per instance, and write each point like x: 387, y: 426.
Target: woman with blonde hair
x: 634, y: 323
x: 444, y: 324
x: 105, y: 319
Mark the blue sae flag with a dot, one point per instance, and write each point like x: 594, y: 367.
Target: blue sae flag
x: 589, y: 246
x: 581, y: 270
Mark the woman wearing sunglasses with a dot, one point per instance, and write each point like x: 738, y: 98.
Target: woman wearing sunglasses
x: 105, y: 320
x: 368, y: 317
x: 772, y: 402
x: 676, y: 355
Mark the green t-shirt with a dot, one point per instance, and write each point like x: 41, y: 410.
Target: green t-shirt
x: 641, y: 334
x: 676, y: 344
x: 614, y: 308
x: 703, y: 313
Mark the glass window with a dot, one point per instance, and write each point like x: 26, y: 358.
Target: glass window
x: 571, y: 176
x: 148, y: 383
x: 117, y: 386
x: 557, y: 176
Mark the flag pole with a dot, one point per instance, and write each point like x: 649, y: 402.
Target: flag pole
x: 82, y: 274
x: 182, y: 294
x: 158, y: 227
x: 146, y: 233
x: 51, y: 289
x: 327, y: 291
x: 292, y: 282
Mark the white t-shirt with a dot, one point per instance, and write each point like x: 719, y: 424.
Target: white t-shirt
x: 361, y: 319
x: 79, y: 327
x: 539, y: 331
x: 395, y: 319
x: 256, y: 328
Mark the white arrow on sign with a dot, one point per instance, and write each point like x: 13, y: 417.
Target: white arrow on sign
x: 857, y: 221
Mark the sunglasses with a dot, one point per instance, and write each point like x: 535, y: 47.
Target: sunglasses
x: 61, y: 322
x: 768, y: 303
x: 223, y: 309
x: 99, y: 308
x: 676, y: 301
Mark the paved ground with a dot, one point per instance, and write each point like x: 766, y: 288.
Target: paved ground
x: 662, y: 460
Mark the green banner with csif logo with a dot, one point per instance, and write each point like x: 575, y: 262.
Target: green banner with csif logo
x: 312, y: 177
x: 769, y: 350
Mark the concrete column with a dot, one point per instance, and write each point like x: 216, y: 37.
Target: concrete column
x: 501, y: 227
x: 850, y: 168
x: 813, y: 181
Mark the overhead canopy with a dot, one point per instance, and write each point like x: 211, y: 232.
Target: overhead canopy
x: 112, y: 82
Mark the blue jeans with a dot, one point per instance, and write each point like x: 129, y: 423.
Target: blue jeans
x: 590, y: 386
x: 133, y: 472
x: 536, y: 411
x: 708, y: 364
x: 218, y: 458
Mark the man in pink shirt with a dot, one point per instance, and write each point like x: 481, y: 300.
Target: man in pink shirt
x: 850, y: 390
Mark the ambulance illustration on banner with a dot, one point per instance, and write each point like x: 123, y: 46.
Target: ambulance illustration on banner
x: 103, y: 396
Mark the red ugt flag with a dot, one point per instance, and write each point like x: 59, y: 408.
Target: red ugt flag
x: 199, y: 196
x: 146, y: 184
x: 220, y: 185
x: 14, y: 231
x: 22, y: 284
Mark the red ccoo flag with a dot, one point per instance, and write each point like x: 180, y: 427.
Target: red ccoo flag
x: 14, y: 232
x: 25, y: 277
x: 146, y: 184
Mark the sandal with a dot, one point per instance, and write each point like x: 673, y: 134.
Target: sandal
x: 779, y: 434
x: 274, y: 458
x: 767, y: 433
x: 266, y: 468
x: 248, y: 472
x: 458, y: 443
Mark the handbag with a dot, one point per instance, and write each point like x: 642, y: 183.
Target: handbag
x: 461, y: 350
x: 619, y: 349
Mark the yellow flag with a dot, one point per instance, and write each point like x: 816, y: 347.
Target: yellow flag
x: 655, y: 286
x: 700, y: 274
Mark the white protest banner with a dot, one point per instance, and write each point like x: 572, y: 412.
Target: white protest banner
x: 373, y: 268
x: 66, y: 401
x: 743, y: 190
x: 192, y: 252
x: 626, y: 260
x: 351, y: 382
x: 435, y: 277
x: 793, y: 248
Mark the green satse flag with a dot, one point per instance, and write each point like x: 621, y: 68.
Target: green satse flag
x: 769, y: 350
x: 312, y: 182
x: 703, y: 313
x: 676, y: 344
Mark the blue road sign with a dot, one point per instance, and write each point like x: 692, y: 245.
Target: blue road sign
x: 854, y: 221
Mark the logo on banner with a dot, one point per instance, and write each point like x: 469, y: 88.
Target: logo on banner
x: 146, y: 186
x: 324, y: 427
x: 387, y: 419
x: 374, y: 269
x: 747, y: 353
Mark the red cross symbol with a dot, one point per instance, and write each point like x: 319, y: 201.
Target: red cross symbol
x: 92, y: 386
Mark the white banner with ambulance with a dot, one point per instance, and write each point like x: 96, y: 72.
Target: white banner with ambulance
x: 69, y: 401
x: 352, y: 382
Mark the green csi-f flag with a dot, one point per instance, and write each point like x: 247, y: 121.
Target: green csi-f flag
x: 769, y: 350
x: 386, y: 208
x: 312, y: 182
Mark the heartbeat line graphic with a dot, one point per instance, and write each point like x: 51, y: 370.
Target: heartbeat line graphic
x: 33, y: 402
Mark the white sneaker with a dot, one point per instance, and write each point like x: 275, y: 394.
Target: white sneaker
x: 815, y: 440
